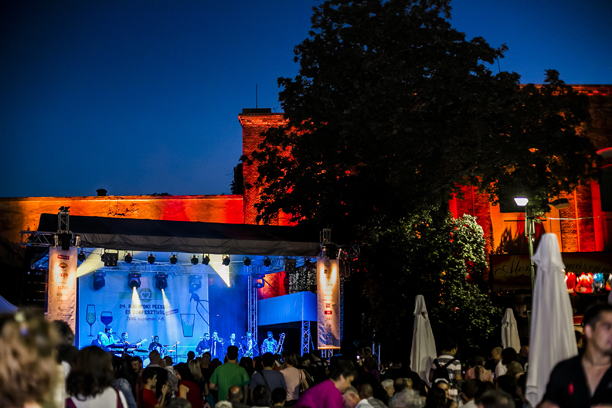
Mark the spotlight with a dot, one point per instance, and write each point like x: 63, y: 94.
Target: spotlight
x: 247, y: 261
x: 205, y: 259
x: 99, y: 282
x: 194, y: 260
x: 258, y: 281
x: 151, y: 259
x: 161, y: 281
x: 267, y: 262
x: 128, y: 258
x: 110, y: 258
x: 134, y: 280
x: 195, y: 283
x: 173, y: 259
x: 82, y: 257
x: 226, y: 260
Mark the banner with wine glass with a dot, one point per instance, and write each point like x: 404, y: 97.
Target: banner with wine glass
x: 177, y: 317
x: 61, y: 303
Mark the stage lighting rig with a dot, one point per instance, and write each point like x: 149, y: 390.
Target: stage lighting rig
x: 194, y: 260
x: 226, y: 260
x: 134, y: 280
x: 247, y: 261
x: 195, y: 283
x: 128, y: 258
x: 258, y: 281
x: 82, y: 257
x: 173, y: 259
x: 205, y: 259
x: 151, y: 259
x: 110, y: 258
x: 267, y: 262
x: 161, y: 281
x: 98, y: 280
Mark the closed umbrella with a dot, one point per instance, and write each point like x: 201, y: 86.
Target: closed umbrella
x: 510, y: 336
x: 552, y: 332
x: 423, y: 351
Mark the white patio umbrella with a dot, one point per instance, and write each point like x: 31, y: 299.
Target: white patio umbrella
x: 423, y: 351
x: 510, y: 336
x: 552, y: 331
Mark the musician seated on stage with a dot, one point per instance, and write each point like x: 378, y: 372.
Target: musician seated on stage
x: 101, y: 341
x: 155, y: 345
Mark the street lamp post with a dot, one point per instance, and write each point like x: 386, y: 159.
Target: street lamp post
x: 529, y: 233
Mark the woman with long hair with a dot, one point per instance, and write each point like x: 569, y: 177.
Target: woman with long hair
x: 188, y: 387
x: 27, y: 360
x: 121, y: 383
x: 478, y: 372
x: 201, y: 381
x: 294, y: 378
x: 89, y: 383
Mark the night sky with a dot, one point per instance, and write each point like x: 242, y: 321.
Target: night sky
x: 142, y: 97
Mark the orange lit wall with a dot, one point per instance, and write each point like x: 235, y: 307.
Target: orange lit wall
x: 18, y: 214
x: 253, y: 124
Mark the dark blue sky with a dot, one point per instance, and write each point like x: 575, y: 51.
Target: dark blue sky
x: 142, y: 97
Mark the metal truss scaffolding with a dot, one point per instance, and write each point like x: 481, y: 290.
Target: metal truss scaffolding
x: 305, y: 336
x: 252, y: 323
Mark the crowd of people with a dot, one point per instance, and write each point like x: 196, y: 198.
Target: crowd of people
x: 40, y: 367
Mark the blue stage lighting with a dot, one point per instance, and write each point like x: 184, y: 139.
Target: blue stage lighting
x: 161, y: 281
x: 267, y: 262
x: 226, y: 260
x: 134, y: 280
x: 99, y: 281
x: 151, y: 259
x: 205, y: 260
x: 194, y: 260
x: 128, y: 258
x: 195, y: 283
x: 247, y: 261
x: 173, y: 259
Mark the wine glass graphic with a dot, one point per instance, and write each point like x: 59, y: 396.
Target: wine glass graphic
x: 90, y: 317
x: 106, y: 318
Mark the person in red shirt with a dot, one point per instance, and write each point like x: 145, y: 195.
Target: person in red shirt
x: 149, y: 378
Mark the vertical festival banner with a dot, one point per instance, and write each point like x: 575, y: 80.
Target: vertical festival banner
x: 328, y: 304
x: 62, y: 289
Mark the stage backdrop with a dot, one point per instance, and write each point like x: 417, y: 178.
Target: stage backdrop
x: 145, y: 313
x: 328, y: 304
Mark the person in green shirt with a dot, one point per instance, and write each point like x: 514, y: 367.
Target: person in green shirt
x: 230, y: 374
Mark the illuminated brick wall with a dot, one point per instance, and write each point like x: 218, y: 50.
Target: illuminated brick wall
x: 18, y: 214
x: 253, y: 124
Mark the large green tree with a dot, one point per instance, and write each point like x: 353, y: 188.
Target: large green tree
x: 443, y: 261
x: 391, y: 111
x: 393, y: 108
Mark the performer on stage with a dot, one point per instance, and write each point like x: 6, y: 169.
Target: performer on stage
x: 155, y: 345
x: 204, y: 345
x: 232, y: 340
x: 101, y: 341
x: 216, y: 346
x: 249, y: 346
x: 112, y: 337
x: 269, y: 345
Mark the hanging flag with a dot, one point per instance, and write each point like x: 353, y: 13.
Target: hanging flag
x: 61, y: 304
x: 328, y: 304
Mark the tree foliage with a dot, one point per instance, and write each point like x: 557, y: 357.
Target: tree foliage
x: 443, y: 262
x: 393, y: 108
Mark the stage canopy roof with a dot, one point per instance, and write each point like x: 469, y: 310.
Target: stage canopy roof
x: 182, y: 236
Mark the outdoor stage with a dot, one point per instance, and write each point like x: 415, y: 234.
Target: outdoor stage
x: 140, y: 277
